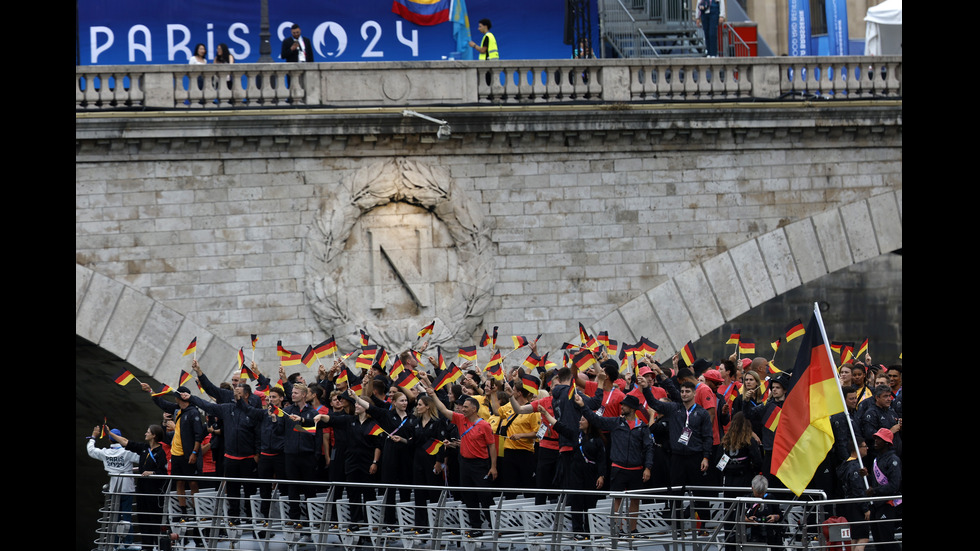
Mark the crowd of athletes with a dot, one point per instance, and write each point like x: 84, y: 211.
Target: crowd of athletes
x: 646, y: 425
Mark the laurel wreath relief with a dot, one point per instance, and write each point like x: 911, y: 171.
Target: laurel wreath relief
x: 412, y: 182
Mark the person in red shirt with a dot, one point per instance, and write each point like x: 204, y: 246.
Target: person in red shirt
x: 477, y: 456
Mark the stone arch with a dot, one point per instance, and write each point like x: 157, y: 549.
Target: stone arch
x: 702, y: 298
x: 141, y: 330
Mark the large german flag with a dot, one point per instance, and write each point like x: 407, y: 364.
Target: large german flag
x: 804, y: 436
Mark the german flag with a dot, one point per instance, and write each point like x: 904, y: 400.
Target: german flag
x: 531, y: 384
x: 369, y: 351
x: 123, y: 378
x: 582, y: 333
x: 794, y: 329
x: 612, y: 348
x: 427, y: 330
x: 468, y: 353
x: 433, y: 447
x: 276, y: 410
x: 773, y: 421
x: 687, y: 353
x: 736, y: 335
x: 494, y: 367
x: 365, y: 338
x: 279, y: 385
x: 583, y: 360
x: 519, y: 341
x: 442, y: 361
x: 291, y: 358
x: 803, y: 439
x: 603, y: 338
x: 775, y: 344
x: 746, y: 346
x: 846, y: 354
x: 165, y: 389
x: 837, y: 346
x: 485, y: 341
x: 568, y: 346
x: 408, y: 379
x: 545, y: 364
x: 191, y: 348
x: 255, y: 339
x: 646, y: 346
x: 309, y: 356
x: 184, y: 379
x: 241, y: 356
x: 280, y: 351
x: 863, y: 349
x: 592, y: 344
x: 382, y: 358
x: 376, y: 430
x: 532, y: 361
x: 493, y: 342
x: 450, y: 376
x: 247, y: 374
x: 326, y: 348
x: 773, y: 369
x: 396, y: 368
x: 306, y: 430
x: 105, y: 420
x: 364, y: 361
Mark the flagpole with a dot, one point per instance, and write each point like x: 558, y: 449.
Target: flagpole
x: 840, y: 391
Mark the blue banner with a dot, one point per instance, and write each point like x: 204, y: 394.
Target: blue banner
x: 799, y: 27
x: 121, y: 32
x: 837, y: 26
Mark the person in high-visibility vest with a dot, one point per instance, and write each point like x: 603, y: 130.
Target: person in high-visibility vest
x: 488, y: 48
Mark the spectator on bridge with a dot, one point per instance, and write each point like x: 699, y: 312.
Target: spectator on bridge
x: 709, y: 14
x: 488, y: 46
x: 200, y: 56
x: 296, y: 48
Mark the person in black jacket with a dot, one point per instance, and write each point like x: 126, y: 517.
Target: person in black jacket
x: 887, y: 475
x: 239, y: 426
x: 689, y: 427
x: 148, y: 519
x: 296, y: 48
x: 185, y: 443
x: 586, y: 468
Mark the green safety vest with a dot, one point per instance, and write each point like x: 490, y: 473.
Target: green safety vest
x: 491, y: 47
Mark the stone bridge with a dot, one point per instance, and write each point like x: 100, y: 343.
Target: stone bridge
x: 658, y: 200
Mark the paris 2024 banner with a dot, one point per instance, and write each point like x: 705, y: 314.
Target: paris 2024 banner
x: 123, y: 32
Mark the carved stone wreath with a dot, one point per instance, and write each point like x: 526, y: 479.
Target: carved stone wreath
x: 412, y: 182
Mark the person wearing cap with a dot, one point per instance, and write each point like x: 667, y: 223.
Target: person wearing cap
x: 630, y: 448
x: 185, y: 442
x: 240, y: 422
x: 117, y: 460
x: 886, y: 475
x: 767, y: 413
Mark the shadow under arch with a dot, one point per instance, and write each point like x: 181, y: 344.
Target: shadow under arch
x: 702, y: 298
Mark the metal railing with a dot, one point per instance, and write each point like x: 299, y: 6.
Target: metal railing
x: 623, y: 33
x: 732, y: 43
x: 517, y: 518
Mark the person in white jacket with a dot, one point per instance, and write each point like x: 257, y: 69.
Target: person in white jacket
x: 117, y: 460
